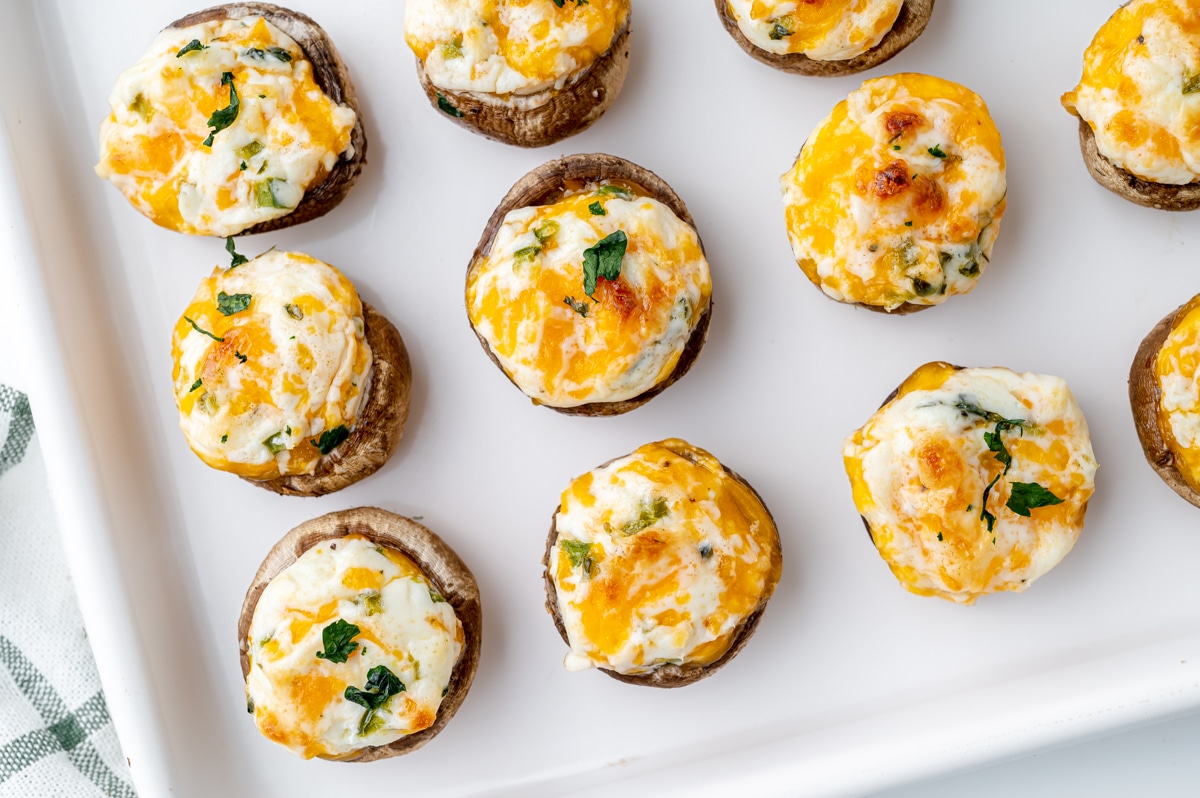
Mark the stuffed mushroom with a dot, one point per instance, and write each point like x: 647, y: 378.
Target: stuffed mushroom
x: 524, y: 72
x: 659, y: 565
x: 1138, y: 104
x: 359, y: 637
x: 1164, y: 390
x: 286, y: 378
x: 826, y: 38
x: 895, y: 200
x: 590, y: 288
x: 972, y: 481
x: 237, y: 119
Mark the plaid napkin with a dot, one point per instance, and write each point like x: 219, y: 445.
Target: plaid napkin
x: 56, y: 739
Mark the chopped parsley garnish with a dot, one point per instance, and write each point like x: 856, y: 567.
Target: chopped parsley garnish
x: 199, y: 381
x: 579, y: 307
x: 896, y: 147
x: 191, y: 47
x: 580, y: 554
x: 257, y: 54
x: 201, y: 330
x: 381, y: 685
x: 224, y: 437
x: 908, y: 223
x: 603, y: 260
x: 229, y: 304
x: 338, y: 642
x: 939, y: 536
x: 236, y: 259
x: 1026, y: 496
x: 243, y: 166
x: 239, y: 356
x: 649, y: 515
x: 597, y: 209
x: 936, y: 151
x: 330, y: 439
x: 224, y: 117
x: 446, y: 108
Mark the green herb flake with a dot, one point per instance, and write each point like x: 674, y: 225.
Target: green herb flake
x: 896, y: 147
x: 251, y: 149
x: 275, y: 444
x: 280, y: 53
x: 939, y: 536
x: 603, y: 260
x: 199, y: 381
x: 239, y: 356
x: 611, y: 190
x: 236, y: 260
x: 527, y: 253
x: 579, y: 307
x: 243, y: 166
x: 446, y: 108
x: 265, y: 194
x: 338, y: 642
x: 331, y: 438
x: 230, y: 304
x: 580, y: 554
x: 648, y: 516
x: 224, y: 438
x: 224, y: 117
x: 1026, y: 496
x: 936, y: 151
x: 142, y: 107
x: 191, y: 47
x: 908, y: 223
x: 250, y: 705
x: 452, y: 49
x: 201, y: 330
x: 381, y: 685
x: 597, y: 209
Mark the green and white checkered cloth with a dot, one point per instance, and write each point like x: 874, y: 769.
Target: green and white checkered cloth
x: 56, y: 739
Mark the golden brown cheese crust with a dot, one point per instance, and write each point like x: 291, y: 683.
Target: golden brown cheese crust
x: 547, y: 116
x: 439, y: 564
x: 380, y: 424
x: 913, y: 18
x: 332, y: 76
x: 545, y: 185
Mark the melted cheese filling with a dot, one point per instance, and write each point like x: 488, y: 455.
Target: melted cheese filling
x: 1178, y: 371
x: 660, y: 556
x: 510, y: 46
x: 1140, y: 90
x: 526, y: 297
x: 287, y: 134
x: 920, y: 466
x: 298, y: 699
x: 292, y: 363
x: 825, y: 30
x: 897, y: 195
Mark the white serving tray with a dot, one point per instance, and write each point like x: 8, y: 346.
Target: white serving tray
x: 851, y: 683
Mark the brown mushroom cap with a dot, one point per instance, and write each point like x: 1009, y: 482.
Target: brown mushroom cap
x: 1145, y: 393
x: 439, y: 564
x: 1161, y: 196
x: 331, y: 75
x: 545, y: 185
x: 544, y: 117
x: 671, y: 675
x: 380, y: 424
x: 914, y: 16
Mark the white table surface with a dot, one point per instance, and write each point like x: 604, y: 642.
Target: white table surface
x: 1157, y: 760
